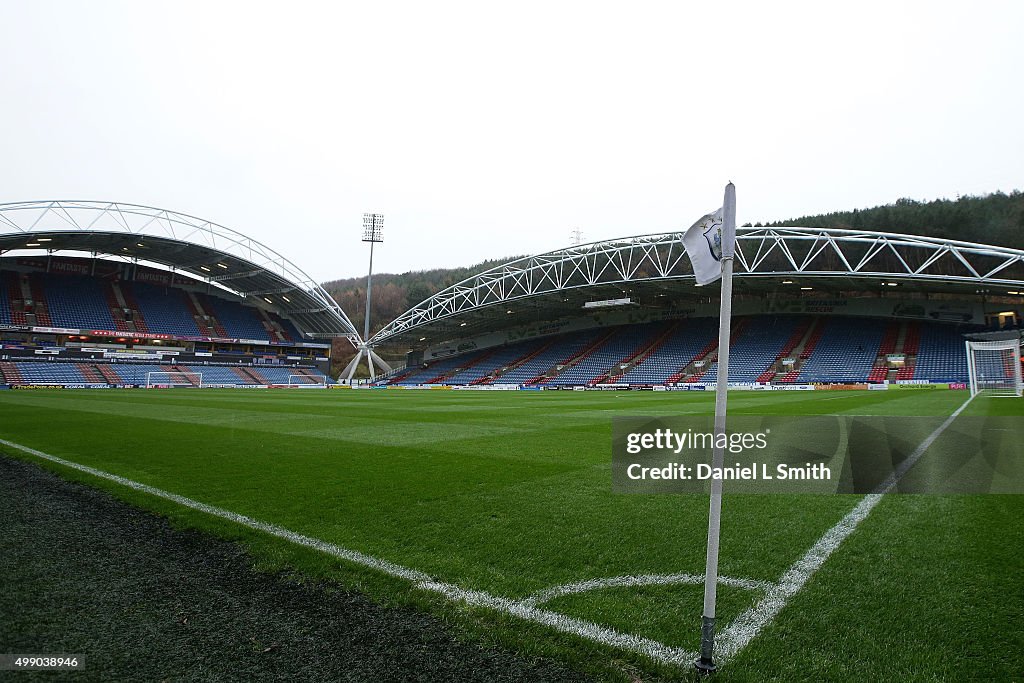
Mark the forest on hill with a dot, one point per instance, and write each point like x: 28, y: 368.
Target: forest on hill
x: 995, y: 218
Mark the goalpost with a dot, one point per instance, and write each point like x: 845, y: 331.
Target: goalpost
x: 178, y: 378
x: 309, y: 382
x: 994, y: 367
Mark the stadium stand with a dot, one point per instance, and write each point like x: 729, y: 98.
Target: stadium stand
x: 563, y: 350
x: 492, y: 364
x: 939, y: 355
x: 165, y: 310
x: 681, y: 348
x: 434, y: 373
x: 845, y: 351
x: 49, y: 373
x: 236, y: 320
x: 825, y: 349
x: 62, y: 373
x: 77, y: 301
x: 595, y: 363
x: 5, y: 301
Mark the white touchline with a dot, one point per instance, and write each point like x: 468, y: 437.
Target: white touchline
x: 738, y: 634
x: 519, y: 608
x: 734, y: 637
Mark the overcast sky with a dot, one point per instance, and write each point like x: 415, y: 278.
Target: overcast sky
x: 483, y: 130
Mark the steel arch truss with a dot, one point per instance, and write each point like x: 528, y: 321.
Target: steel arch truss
x: 760, y: 252
x: 178, y: 241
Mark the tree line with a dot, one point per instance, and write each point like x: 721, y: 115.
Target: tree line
x: 996, y: 219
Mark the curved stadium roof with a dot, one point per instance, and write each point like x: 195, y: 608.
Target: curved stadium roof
x: 202, y: 249
x: 655, y: 271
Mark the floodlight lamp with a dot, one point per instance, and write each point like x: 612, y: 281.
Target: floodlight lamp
x: 373, y: 225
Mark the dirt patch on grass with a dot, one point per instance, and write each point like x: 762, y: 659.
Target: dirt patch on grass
x: 85, y: 573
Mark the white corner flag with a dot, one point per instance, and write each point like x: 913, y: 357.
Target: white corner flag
x: 703, y: 243
x: 711, y: 244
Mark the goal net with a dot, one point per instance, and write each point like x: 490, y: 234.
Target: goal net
x: 174, y: 379
x: 306, y: 381
x: 994, y: 367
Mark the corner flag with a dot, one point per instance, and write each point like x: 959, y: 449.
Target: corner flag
x: 703, y: 243
x: 709, y: 264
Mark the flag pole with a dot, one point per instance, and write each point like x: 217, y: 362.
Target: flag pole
x: 706, y: 663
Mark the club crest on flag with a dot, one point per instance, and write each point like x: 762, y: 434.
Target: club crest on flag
x: 704, y: 244
x: 713, y: 236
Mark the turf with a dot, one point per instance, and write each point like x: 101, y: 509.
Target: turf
x: 509, y: 493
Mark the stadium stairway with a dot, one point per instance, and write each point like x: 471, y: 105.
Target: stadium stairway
x: 12, y: 287
x: 165, y: 310
x: 117, y: 306
x: 493, y: 363
x: 803, y: 350
x: 209, y: 308
x: 10, y: 374
x: 204, y: 321
x: 314, y: 378
x: 78, y: 301
x: 5, y: 302
x: 560, y: 368
x: 639, y: 355
x: 246, y: 376
x: 108, y: 373
x: 890, y: 342
x: 472, y: 362
x: 515, y: 364
x: 184, y: 369
x: 709, y: 361
x: 690, y: 367
x: 127, y: 295
x: 792, y: 344
x: 32, y: 289
x: 561, y: 348
x: 844, y: 351
x: 90, y: 373
x: 625, y: 341
x: 275, y: 331
x: 234, y: 320
x: 692, y: 337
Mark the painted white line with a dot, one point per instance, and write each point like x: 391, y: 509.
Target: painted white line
x: 522, y: 609
x: 549, y: 594
x: 384, y: 566
x: 585, y: 629
x: 732, y: 640
x: 738, y: 634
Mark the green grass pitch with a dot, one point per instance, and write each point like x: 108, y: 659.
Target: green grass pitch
x: 509, y: 493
